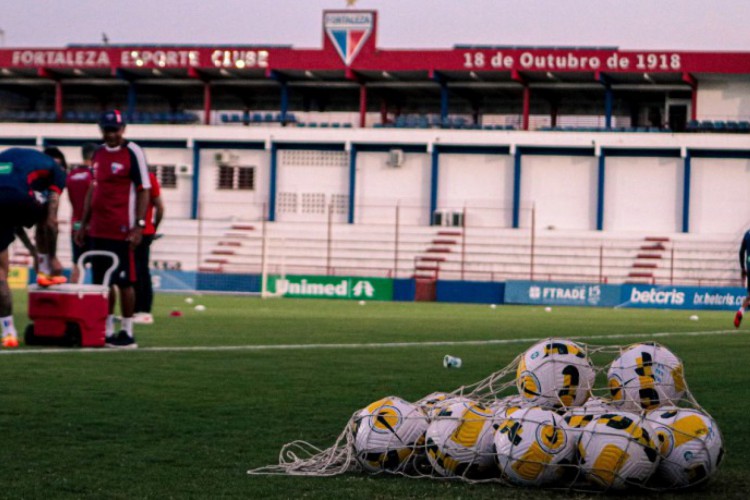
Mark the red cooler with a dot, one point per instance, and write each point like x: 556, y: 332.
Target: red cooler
x: 72, y: 314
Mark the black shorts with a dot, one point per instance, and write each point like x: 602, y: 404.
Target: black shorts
x: 21, y: 212
x: 78, y: 250
x: 124, y: 276
x: 7, y: 235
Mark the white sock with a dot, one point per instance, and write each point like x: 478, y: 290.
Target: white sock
x: 8, y: 327
x: 742, y: 311
x: 127, y: 325
x: 44, y: 266
x: 109, y: 328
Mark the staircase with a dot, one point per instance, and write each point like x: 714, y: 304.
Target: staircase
x: 228, y: 246
x: 647, y: 260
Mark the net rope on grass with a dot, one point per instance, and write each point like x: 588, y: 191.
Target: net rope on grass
x: 507, y: 402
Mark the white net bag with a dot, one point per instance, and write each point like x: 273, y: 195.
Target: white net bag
x: 541, y: 421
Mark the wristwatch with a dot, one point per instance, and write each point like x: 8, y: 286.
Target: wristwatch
x: 140, y: 223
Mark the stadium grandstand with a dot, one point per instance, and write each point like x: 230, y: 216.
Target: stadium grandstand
x: 474, y: 163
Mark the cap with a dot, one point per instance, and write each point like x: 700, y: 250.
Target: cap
x: 112, y: 120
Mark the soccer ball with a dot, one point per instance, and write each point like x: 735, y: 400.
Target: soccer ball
x: 690, y: 445
x: 555, y: 373
x: 459, y: 440
x: 532, y: 447
x: 646, y: 376
x: 579, y: 417
x: 436, y: 401
x: 504, y: 407
x: 387, y: 434
x: 617, y: 450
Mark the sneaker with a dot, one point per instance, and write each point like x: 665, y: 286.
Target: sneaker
x: 737, y: 319
x: 143, y: 318
x: 46, y: 280
x: 121, y: 341
x: 10, y: 341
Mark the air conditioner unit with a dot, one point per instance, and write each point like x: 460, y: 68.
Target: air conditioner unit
x: 395, y: 158
x: 225, y: 157
x: 185, y: 170
x: 448, y: 218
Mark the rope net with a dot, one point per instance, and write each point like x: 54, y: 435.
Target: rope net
x: 541, y: 421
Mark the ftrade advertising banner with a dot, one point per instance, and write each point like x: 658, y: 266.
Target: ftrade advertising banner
x: 332, y: 287
x: 682, y: 297
x: 561, y: 294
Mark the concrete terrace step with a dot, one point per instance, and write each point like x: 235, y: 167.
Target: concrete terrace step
x: 648, y: 256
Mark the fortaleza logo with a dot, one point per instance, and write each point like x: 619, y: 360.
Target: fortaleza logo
x: 348, y: 32
x: 333, y: 287
x: 666, y: 297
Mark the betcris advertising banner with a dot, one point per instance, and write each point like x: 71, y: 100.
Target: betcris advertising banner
x: 682, y: 297
x: 561, y: 294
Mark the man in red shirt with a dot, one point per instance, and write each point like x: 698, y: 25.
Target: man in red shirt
x: 144, y: 292
x: 79, y: 182
x: 115, y: 214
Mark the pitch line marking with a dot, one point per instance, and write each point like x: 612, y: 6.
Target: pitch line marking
x: 382, y: 345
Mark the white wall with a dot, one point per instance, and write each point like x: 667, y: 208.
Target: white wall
x: 562, y: 189
x: 235, y: 205
x: 176, y: 200
x: 643, y: 194
x: 310, y: 176
x: 724, y: 100
x: 380, y: 188
x: 482, y: 184
x: 719, y: 201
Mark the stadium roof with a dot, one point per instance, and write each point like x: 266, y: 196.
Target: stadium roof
x: 350, y: 53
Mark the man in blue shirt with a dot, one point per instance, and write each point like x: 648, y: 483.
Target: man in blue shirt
x: 744, y: 265
x: 30, y: 187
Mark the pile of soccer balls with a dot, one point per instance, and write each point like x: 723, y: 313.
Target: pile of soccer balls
x: 555, y: 432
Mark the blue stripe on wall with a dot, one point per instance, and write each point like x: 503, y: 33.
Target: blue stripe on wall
x: 600, y: 193
x: 434, y: 182
x: 272, y: 185
x: 352, y: 183
x: 687, y: 174
x: 516, y: 189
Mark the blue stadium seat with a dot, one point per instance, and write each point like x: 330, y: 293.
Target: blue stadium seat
x: 268, y: 117
x: 347, y: 125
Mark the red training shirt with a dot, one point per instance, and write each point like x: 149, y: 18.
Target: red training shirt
x: 79, y: 181
x: 118, y: 173
x: 155, y: 193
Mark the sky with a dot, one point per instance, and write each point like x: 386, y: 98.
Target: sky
x: 710, y: 25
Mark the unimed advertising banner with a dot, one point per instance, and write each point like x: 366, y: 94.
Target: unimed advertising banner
x: 561, y: 294
x: 332, y: 287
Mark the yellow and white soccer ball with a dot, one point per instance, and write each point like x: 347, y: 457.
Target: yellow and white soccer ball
x: 646, y: 376
x: 387, y: 434
x: 434, y: 402
x: 690, y: 445
x: 555, y: 373
x: 459, y: 440
x: 503, y: 407
x: 533, y: 447
x: 617, y: 450
x: 577, y: 418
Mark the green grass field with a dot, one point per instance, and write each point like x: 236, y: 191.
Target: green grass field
x: 165, y: 422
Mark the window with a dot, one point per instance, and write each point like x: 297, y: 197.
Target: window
x: 226, y: 177
x: 236, y: 178
x: 165, y: 174
x: 246, y: 178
